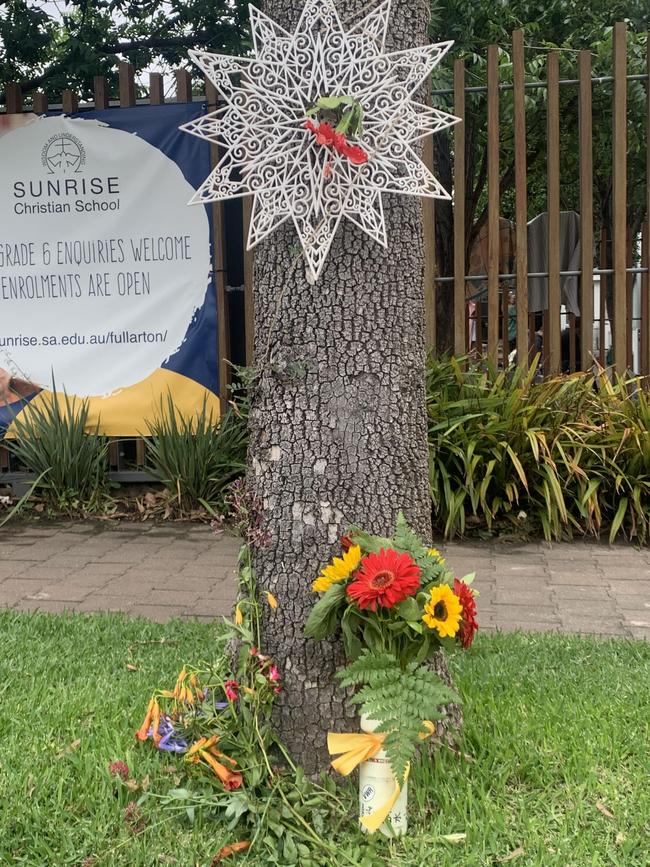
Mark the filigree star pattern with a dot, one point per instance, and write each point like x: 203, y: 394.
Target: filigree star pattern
x: 268, y: 153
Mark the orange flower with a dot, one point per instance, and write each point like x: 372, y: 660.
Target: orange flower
x: 179, y: 682
x: 230, y: 779
x: 143, y: 732
x: 270, y: 598
x: 156, y: 724
x: 198, y: 745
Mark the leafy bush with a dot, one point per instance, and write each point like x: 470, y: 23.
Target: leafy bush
x: 570, y: 454
x: 196, y: 457
x: 53, y: 441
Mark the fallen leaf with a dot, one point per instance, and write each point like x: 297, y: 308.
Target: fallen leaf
x: 131, y: 667
x: 603, y: 809
x: 145, y: 783
x: 69, y: 749
x: 512, y: 855
x: 31, y: 785
x: 453, y: 838
x: 229, y: 850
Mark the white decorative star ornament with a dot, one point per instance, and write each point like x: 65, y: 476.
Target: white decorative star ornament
x: 318, y: 123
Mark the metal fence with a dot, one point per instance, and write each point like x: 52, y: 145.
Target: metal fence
x: 492, y: 315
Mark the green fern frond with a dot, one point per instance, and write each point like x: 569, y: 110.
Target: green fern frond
x: 401, y: 698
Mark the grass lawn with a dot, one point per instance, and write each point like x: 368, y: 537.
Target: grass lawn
x: 556, y: 727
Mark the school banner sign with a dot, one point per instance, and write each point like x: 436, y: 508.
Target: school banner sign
x: 105, y: 272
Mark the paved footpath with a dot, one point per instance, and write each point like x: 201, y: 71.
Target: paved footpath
x: 182, y: 570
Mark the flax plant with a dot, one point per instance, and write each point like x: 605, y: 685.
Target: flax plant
x: 196, y: 457
x: 55, y: 441
x: 570, y: 454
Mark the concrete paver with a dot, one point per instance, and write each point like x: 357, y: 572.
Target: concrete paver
x: 173, y: 570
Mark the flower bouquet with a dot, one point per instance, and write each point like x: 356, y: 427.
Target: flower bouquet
x: 207, y: 717
x: 395, y: 604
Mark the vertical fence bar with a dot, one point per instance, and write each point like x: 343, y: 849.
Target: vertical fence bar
x: 39, y: 103
x: 13, y: 98
x: 619, y: 197
x: 572, y: 342
x: 100, y: 87
x: 127, y: 84
x: 604, y: 240
x: 630, y: 249
x: 249, y: 310
x: 459, y: 208
x: 552, y: 332
x: 645, y: 295
x: 69, y: 102
x: 645, y: 246
x: 521, y: 197
x: 586, y: 164
x: 429, y: 230
x: 219, y: 265
x: 156, y: 89
x: 493, y: 200
x: 183, y: 85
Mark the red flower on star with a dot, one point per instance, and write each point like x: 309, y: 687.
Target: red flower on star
x: 326, y: 135
x: 468, y: 624
x: 384, y: 579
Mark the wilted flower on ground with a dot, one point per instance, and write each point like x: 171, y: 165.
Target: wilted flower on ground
x: 231, y: 688
x: 119, y: 769
x: 134, y: 818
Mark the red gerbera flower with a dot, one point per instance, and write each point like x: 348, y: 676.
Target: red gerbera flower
x: 384, y: 579
x: 468, y: 624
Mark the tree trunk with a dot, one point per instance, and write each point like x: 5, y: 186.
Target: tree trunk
x: 338, y: 429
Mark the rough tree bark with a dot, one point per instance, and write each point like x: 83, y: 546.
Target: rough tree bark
x: 338, y: 430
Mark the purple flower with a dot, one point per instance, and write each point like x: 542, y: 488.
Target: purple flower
x: 170, y: 741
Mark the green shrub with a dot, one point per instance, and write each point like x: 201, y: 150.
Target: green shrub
x: 53, y: 441
x: 196, y: 457
x: 567, y: 454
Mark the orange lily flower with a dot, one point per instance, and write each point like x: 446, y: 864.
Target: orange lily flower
x: 179, y: 682
x: 195, y: 747
x: 230, y: 779
x: 156, y: 724
x: 142, y: 732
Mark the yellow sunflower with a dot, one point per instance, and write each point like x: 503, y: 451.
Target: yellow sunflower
x: 339, y: 569
x: 433, y: 552
x: 443, y: 611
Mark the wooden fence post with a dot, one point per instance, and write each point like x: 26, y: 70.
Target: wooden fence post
x: 552, y: 329
x: 619, y: 198
x: 39, y: 103
x: 127, y: 84
x: 183, y: 85
x: 429, y: 230
x: 493, y: 201
x: 69, y: 102
x: 521, y: 198
x: 459, y: 208
x: 586, y: 165
x: 219, y: 265
x: 13, y: 98
x: 156, y: 88
x: 100, y: 86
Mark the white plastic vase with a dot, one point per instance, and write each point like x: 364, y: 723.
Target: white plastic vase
x: 377, y: 785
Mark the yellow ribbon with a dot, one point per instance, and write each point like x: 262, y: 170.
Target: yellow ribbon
x: 354, y: 748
